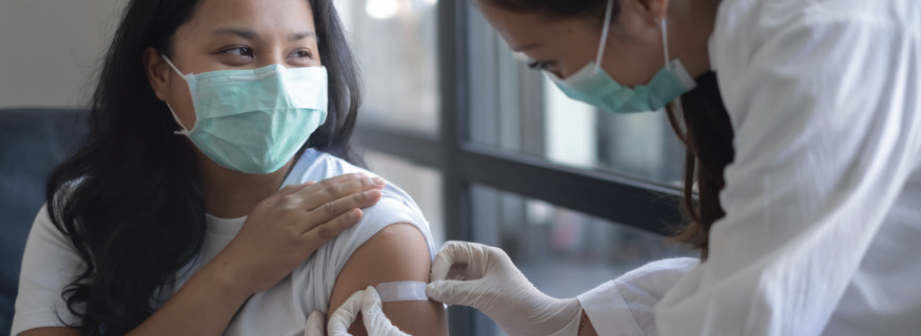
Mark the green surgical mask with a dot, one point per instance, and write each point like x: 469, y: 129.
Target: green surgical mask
x: 592, y: 85
x: 255, y: 121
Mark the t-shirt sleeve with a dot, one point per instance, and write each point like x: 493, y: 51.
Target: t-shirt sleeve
x: 394, y: 208
x: 49, y: 264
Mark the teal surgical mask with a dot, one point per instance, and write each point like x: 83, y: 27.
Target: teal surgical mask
x: 255, y: 121
x: 592, y: 85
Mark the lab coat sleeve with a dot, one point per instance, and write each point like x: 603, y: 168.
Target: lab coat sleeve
x: 624, y: 306
x: 824, y: 143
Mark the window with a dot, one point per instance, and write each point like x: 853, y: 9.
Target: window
x: 495, y: 153
x: 394, y: 42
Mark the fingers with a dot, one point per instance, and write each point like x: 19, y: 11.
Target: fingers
x: 371, y: 304
x: 338, y: 187
x: 336, y: 208
x: 342, y: 318
x: 455, y: 292
x: 452, y: 253
x: 314, y: 325
x: 323, y: 233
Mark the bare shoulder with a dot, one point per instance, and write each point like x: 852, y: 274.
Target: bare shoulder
x: 398, y: 252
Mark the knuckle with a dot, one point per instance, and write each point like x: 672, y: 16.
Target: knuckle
x: 334, y: 190
x: 324, y: 232
x: 330, y: 208
x: 327, y: 182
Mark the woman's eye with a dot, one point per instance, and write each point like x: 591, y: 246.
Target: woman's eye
x: 302, y: 54
x: 240, y: 51
x: 540, y: 65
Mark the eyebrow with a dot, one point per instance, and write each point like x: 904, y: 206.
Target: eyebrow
x: 250, y: 34
x: 302, y: 35
x: 241, y: 32
x: 526, y: 47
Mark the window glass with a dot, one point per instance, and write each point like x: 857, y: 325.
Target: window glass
x: 423, y: 184
x: 395, y: 44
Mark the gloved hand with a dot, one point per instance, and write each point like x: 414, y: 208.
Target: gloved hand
x: 315, y: 324
x: 367, y: 301
x: 491, y: 283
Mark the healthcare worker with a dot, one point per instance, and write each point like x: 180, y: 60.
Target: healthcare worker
x: 803, y: 125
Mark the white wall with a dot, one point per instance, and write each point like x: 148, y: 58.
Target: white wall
x: 49, y: 49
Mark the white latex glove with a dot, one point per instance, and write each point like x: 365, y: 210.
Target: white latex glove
x: 367, y: 301
x: 484, y: 277
x: 315, y: 324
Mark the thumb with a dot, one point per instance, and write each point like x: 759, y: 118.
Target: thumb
x: 344, y: 317
x: 376, y: 323
x: 371, y: 304
x: 457, y: 292
x: 315, y: 324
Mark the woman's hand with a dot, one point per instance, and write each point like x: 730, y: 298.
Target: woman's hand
x: 484, y: 277
x: 286, y: 228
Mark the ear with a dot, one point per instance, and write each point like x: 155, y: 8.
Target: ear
x: 158, y: 73
x: 652, y: 10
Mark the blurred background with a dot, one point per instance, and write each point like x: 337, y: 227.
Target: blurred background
x: 491, y: 151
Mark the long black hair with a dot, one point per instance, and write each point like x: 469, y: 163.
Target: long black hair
x: 129, y: 199
x: 703, y: 125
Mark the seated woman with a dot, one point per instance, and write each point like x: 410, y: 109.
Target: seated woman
x: 189, y: 209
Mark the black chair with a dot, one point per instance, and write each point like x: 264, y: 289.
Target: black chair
x: 32, y: 142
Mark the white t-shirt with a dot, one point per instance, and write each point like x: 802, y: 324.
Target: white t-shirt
x: 50, y: 262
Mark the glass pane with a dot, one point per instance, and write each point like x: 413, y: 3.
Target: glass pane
x: 518, y: 109
x: 423, y: 184
x: 395, y: 44
x: 562, y: 252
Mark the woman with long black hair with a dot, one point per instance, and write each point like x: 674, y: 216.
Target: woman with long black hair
x: 191, y: 208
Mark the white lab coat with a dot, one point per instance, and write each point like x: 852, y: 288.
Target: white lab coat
x: 823, y: 228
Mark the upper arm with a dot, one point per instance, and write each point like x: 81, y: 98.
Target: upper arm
x: 824, y: 144
x: 398, y: 252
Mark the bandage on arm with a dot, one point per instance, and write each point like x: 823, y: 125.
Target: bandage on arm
x: 402, y: 291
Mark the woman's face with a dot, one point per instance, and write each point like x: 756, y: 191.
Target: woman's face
x: 233, y: 35
x: 633, y: 52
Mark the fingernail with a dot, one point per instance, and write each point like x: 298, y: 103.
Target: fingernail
x: 377, y: 181
x: 372, y: 193
x: 354, y: 214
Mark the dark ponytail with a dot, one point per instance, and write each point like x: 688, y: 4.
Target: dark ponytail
x: 704, y: 126
x: 129, y: 199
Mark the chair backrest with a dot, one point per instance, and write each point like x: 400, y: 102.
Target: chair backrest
x: 32, y: 143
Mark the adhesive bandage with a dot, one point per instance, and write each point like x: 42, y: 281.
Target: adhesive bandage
x: 402, y: 291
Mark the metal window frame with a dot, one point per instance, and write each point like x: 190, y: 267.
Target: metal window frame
x: 462, y: 163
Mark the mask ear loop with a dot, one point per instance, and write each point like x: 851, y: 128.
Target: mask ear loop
x: 676, y: 104
x: 184, y: 131
x: 668, y: 64
x: 604, y: 35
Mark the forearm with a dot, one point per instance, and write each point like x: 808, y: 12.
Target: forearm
x: 204, y: 306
